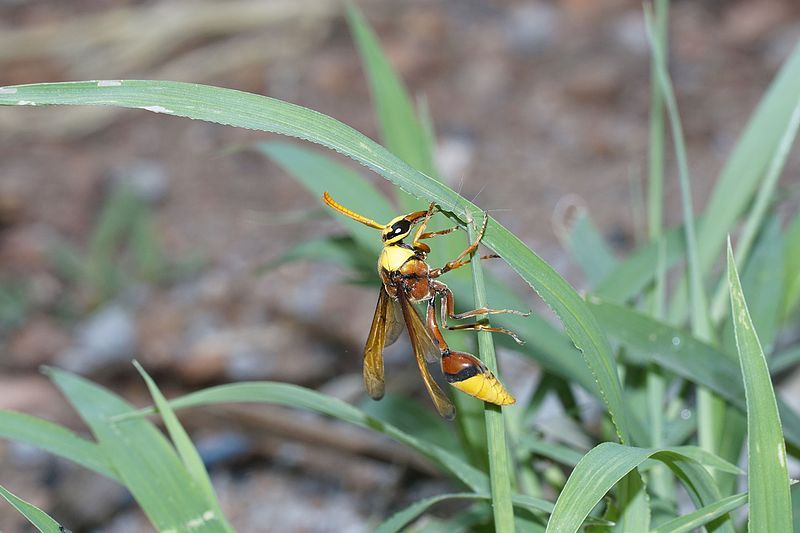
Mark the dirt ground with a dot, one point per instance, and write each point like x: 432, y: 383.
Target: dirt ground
x: 533, y: 102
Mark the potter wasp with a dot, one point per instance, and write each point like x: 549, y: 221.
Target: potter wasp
x: 408, y: 279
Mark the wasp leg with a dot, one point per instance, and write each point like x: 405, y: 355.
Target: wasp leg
x: 429, y: 234
x: 459, y: 261
x: 448, y: 310
x: 464, y: 371
x: 421, y: 229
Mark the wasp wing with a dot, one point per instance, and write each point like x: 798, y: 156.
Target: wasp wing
x: 423, y: 348
x: 394, y: 322
x: 376, y: 340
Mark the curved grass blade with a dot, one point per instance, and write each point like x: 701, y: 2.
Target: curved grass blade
x: 147, y: 465
x: 589, y: 249
x: 704, y: 515
x: 784, y: 360
x: 677, y: 351
x: 744, y: 169
x: 235, y: 108
x: 402, y: 518
x: 55, y: 439
x: 302, y: 398
x: 402, y: 132
x: 38, y: 518
x: 183, y: 444
x: 757, y: 218
x: 791, y: 267
x: 346, y: 186
x: 500, y: 470
x: 763, y: 287
x: 768, y: 479
x: 608, y: 463
x: 636, y: 271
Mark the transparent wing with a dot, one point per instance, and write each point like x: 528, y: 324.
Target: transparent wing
x: 423, y: 345
x: 373, y: 351
x: 394, y: 322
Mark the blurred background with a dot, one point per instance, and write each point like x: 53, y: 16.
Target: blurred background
x: 126, y: 234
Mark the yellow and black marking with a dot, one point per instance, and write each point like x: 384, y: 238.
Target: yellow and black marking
x: 407, y: 279
x: 472, y: 377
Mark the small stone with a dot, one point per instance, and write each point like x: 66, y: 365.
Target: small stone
x: 105, y: 339
x: 277, y: 351
x: 530, y: 29
x: 454, y: 156
x: 149, y: 180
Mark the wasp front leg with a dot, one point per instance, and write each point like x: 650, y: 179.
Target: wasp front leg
x: 465, y: 256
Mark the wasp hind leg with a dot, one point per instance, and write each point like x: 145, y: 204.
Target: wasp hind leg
x: 447, y: 310
x: 464, y: 371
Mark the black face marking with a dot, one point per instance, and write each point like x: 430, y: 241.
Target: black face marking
x: 401, y: 227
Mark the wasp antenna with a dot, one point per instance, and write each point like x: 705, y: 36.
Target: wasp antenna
x: 350, y: 214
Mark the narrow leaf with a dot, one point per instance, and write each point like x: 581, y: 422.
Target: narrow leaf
x: 704, y: 515
x: 38, y: 518
x: 55, y: 439
x: 183, y: 444
x: 605, y: 465
x: 768, y: 480
x: 302, y: 398
x: 677, y: 351
x: 144, y: 459
x: 402, y: 132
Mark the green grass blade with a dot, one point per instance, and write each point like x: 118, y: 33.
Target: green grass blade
x: 704, y: 515
x: 784, y: 360
x: 677, y: 351
x: 762, y: 287
x: 319, y: 173
x: 500, y: 469
x: 744, y: 168
x: 791, y: 270
x: 796, y: 506
x: 768, y: 479
x: 589, y: 250
x: 55, y: 439
x: 340, y: 251
x: 634, y: 273
x: 183, y: 444
x: 758, y: 212
x: 247, y: 110
x: 147, y: 464
x: 608, y: 463
x: 555, y: 452
x: 655, y: 190
x: 701, y: 325
x: 302, y: 398
x: 401, y: 519
x: 38, y: 518
x: 402, y: 132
